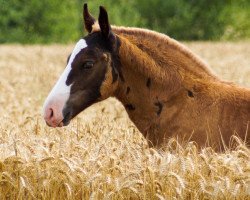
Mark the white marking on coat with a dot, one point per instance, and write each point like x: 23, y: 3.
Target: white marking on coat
x: 61, y: 91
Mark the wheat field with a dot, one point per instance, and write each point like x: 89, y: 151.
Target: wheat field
x: 101, y: 155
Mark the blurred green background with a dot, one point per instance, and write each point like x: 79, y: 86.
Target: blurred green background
x: 60, y: 21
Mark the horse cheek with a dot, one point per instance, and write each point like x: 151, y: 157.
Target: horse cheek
x: 108, y: 86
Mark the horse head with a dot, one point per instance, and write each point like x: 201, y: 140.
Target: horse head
x: 90, y: 75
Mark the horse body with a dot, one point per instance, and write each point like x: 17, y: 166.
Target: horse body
x: 166, y: 89
x: 184, y: 99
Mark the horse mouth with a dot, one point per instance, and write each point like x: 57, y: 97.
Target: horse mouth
x: 66, y: 120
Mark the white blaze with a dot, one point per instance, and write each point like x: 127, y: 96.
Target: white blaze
x: 60, y: 92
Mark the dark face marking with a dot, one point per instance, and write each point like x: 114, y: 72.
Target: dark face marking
x: 190, y: 94
x: 128, y: 90
x: 88, y: 71
x: 130, y: 107
x: 148, y: 84
x: 160, y: 106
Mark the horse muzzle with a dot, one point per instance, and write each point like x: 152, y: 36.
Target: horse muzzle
x: 54, y: 114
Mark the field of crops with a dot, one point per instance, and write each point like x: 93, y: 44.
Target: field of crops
x: 101, y: 155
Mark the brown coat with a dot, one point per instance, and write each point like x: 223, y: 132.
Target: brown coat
x: 169, y: 92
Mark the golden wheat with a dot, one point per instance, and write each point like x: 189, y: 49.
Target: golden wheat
x: 101, y: 155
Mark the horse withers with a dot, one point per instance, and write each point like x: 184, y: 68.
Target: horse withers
x: 166, y: 90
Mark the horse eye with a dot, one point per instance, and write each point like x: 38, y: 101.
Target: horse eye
x: 88, y: 64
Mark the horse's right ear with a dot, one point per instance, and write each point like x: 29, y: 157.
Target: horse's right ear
x: 104, y: 22
x: 89, y: 21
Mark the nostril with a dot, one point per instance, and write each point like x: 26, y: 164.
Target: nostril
x: 51, y: 113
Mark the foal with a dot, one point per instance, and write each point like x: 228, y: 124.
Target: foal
x: 166, y: 89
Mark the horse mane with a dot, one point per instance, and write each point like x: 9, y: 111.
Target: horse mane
x: 199, y: 67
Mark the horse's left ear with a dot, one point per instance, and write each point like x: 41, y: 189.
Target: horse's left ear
x: 104, y: 22
x: 89, y: 21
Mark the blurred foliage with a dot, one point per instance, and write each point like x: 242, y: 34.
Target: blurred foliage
x: 46, y: 21
x: 38, y: 21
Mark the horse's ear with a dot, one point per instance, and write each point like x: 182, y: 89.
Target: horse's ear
x: 89, y: 21
x: 104, y: 22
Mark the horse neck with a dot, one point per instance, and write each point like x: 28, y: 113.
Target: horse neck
x: 145, y: 86
x: 142, y: 73
x: 151, y: 64
x: 165, y: 53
